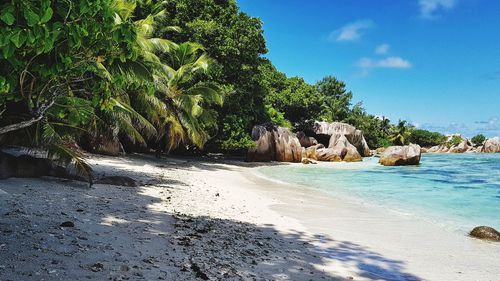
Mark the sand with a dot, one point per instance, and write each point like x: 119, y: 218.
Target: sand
x: 208, y: 219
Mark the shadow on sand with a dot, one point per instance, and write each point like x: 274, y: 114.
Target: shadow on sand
x: 122, y: 233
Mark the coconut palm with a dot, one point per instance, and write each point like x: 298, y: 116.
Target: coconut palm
x: 129, y: 111
x: 400, y: 133
x: 385, y: 126
x: 162, y: 99
x: 188, y: 116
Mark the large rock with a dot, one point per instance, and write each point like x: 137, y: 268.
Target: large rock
x: 330, y: 154
x: 264, y: 150
x: 486, y: 233
x: 23, y: 166
x: 401, y: 155
x: 32, y: 167
x: 273, y: 143
x: 350, y: 152
x: 462, y: 147
x: 311, y: 152
x: 26, y: 166
x: 433, y: 149
x: 306, y: 141
x: 340, y: 150
x: 337, y: 129
x: 491, y: 145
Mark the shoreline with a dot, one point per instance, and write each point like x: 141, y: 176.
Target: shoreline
x: 389, y: 229
x: 388, y: 233
x: 214, y: 218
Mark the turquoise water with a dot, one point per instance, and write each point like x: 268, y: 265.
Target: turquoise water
x: 458, y: 190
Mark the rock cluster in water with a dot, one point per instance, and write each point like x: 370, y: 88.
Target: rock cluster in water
x: 491, y: 145
x: 466, y: 146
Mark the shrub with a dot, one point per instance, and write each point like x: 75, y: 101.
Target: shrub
x: 383, y: 142
x: 455, y: 140
x: 426, y: 138
x: 478, y: 139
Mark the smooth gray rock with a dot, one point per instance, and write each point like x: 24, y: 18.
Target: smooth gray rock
x: 274, y: 143
x: 338, y: 129
x: 491, y: 145
x: 401, y: 155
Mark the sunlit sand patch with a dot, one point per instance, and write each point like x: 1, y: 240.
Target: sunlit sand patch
x: 112, y: 220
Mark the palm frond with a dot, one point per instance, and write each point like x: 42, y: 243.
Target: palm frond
x: 69, y: 155
x: 124, y: 8
x: 148, y: 128
x: 63, y: 152
x: 211, y: 94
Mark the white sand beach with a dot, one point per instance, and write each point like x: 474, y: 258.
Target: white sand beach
x: 214, y: 219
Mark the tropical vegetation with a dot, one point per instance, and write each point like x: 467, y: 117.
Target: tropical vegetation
x: 478, y: 139
x: 426, y: 138
x: 164, y: 75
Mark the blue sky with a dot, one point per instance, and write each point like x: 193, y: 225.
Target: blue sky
x: 435, y: 63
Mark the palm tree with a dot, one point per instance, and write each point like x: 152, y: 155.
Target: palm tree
x: 163, y: 99
x: 188, y: 116
x: 385, y: 126
x: 400, y: 133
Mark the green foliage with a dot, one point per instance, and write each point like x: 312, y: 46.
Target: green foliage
x: 369, y: 124
x: 237, y: 137
x: 55, y: 53
x: 235, y: 41
x: 192, y: 119
x: 455, y: 140
x: 277, y: 117
x: 336, y: 99
x: 478, y: 139
x: 81, y: 68
x: 382, y: 142
x: 298, y: 100
x: 261, y: 93
x: 400, y: 133
x: 426, y: 138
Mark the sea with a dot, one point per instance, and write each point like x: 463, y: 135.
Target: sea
x: 459, y: 191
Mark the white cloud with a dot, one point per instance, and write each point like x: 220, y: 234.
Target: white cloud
x: 389, y: 62
x: 352, y: 31
x: 490, y: 128
x: 428, y: 8
x: 382, y: 49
